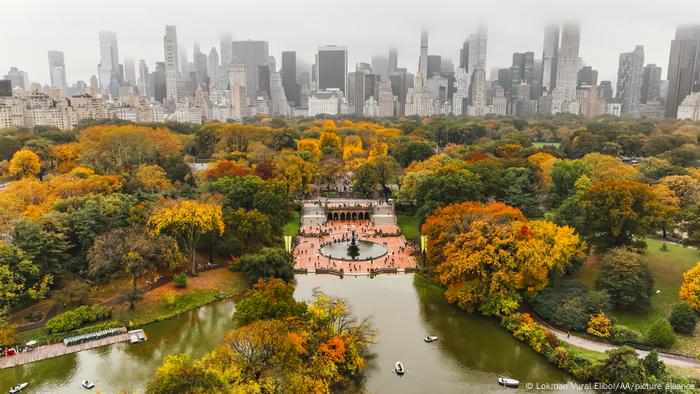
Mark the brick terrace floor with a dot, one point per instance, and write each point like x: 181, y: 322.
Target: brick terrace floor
x: 307, y: 253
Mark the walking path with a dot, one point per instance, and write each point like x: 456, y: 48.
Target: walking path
x: 601, y: 347
x: 58, y: 349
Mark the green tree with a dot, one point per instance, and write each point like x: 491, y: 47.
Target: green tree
x: 621, y: 366
x: 653, y: 366
x: 364, y: 180
x: 249, y: 230
x: 661, y: 334
x: 521, y: 190
x: 564, y: 175
x: 20, y: 278
x: 271, y: 299
x: 626, y: 278
x: 46, y: 241
x: 683, y: 318
x: 269, y: 263
x: 408, y: 152
x: 447, y: 186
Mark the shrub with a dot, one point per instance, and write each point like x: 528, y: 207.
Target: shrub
x: 622, y: 335
x: 570, y: 305
x: 683, y: 318
x: 180, y: 280
x: 599, y: 325
x: 661, y: 334
x: 76, y: 318
x: 664, y: 247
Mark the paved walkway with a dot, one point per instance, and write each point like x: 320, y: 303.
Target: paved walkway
x: 58, y: 349
x: 399, y: 255
x: 601, y: 347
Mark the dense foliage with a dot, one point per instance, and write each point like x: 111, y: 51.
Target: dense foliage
x: 76, y: 318
x: 570, y: 304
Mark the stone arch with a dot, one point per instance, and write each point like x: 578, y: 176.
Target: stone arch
x: 354, y: 216
x: 330, y: 216
x: 335, y: 216
x: 342, y: 216
x: 366, y: 215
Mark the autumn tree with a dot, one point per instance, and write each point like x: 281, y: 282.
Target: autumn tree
x: 25, y: 163
x: 271, y: 299
x: 152, y: 178
x: 268, y: 263
x: 690, y: 287
x: 615, y: 211
x: 180, y: 375
x: 134, y: 251
x: 187, y: 220
x: 20, y: 277
x: 250, y: 230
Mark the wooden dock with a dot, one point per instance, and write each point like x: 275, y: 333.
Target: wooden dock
x: 58, y: 349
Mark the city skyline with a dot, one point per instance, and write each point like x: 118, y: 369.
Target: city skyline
x: 28, y: 51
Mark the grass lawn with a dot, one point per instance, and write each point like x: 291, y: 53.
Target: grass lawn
x: 410, y: 225
x: 668, y: 268
x: 540, y: 144
x: 167, y: 301
x: 292, y: 227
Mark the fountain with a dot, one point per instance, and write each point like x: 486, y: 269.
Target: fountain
x: 354, y: 249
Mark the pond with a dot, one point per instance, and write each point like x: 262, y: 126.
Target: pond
x: 468, y: 357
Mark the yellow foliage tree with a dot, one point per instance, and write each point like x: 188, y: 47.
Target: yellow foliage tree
x: 599, y: 325
x: 310, y: 145
x: 690, y: 288
x: 187, y: 220
x: 25, y: 163
x: 152, y: 179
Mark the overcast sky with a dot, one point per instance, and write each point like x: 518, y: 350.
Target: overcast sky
x: 30, y: 28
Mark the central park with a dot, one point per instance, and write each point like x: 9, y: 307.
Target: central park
x: 313, y: 255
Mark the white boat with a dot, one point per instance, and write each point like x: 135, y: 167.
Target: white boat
x: 508, y: 382
x: 88, y: 384
x: 398, y: 367
x: 430, y: 338
x: 19, y: 388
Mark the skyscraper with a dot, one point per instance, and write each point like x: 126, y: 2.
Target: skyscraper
x: 19, y: 78
x: 226, y: 47
x: 423, y: 58
x: 130, y: 71
x: 264, y: 80
x: 568, y: 64
x: 681, y: 70
x: 57, y: 70
x: 629, y: 81
x: 587, y: 76
x: 213, y: 66
x: 289, y: 77
x: 477, y: 48
x: 464, y: 55
x: 522, y: 69
x: 332, y: 67
x: 237, y: 82
x: 253, y: 54
x: 108, y: 69
x: 200, y: 64
x: 393, y: 61
x: 692, y: 32
x: 171, y: 62
x: 550, y: 52
x: 651, y: 83
x: 434, y: 65
x: 144, y: 82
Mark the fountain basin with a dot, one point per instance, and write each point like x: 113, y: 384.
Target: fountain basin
x: 365, y: 250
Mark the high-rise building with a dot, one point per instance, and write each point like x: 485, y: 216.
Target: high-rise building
x: 356, y: 90
x: 393, y: 61
x: 253, y: 54
x: 434, y: 65
x: 681, y: 70
x: 332, y: 68
x: 171, y: 62
x: 587, y: 76
x: 380, y: 66
x: 523, y: 69
x: 183, y: 62
x: 423, y: 58
x: 461, y: 94
x: 385, y: 99
x: 401, y: 82
x: 264, y: 81
x: 108, y: 69
x: 477, y: 93
x: 568, y: 64
x: 289, y: 77
x: 158, y: 79
x: 605, y: 90
x: 57, y: 70
x: 477, y: 48
x: 130, y: 71
x: 651, y: 83
x: 213, y: 67
x: 278, y: 99
x: 550, y: 52
x: 690, y: 107
x: 692, y: 32
x: 200, y: 64
x: 19, y: 78
x: 144, y: 82
x: 5, y: 89
x: 226, y: 48
x: 629, y: 81
x: 464, y: 55
x: 238, y: 80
